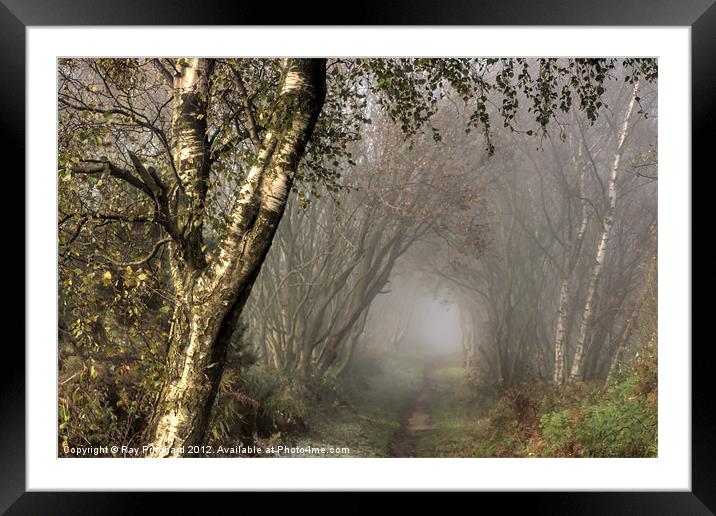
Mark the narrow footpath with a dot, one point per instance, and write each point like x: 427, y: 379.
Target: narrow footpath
x: 416, y: 418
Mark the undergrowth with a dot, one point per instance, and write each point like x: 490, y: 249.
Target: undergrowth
x: 582, y: 420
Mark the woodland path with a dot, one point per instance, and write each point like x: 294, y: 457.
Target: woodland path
x: 416, y: 418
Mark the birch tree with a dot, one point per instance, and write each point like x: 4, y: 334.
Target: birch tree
x: 542, y: 223
x: 607, y: 222
x: 208, y: 296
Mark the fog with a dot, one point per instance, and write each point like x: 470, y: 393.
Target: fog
x: 528, y: 262
x: 416, y: 320
x: 436, y: 329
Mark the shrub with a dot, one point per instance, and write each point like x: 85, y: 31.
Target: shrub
x: 614, y: 420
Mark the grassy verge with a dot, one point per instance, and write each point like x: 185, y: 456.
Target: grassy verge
x: 537, y: 420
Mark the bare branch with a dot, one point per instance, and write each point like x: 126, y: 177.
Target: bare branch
x: 162, y: 70
x: 141, y: 261
x: 120, y: 218
x: 94, y: 166
x: 149, y: 176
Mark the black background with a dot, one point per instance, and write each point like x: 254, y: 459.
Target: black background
x: 15, y: 15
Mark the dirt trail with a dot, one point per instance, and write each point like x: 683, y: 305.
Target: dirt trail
x: 416, y: 418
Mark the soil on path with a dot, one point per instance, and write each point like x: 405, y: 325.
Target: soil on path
x: 416, y: 418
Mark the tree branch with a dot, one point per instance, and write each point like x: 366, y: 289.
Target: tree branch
x: 94, y: 166
x: 149, y: 176
x: 120, y: 218
x: 141, y: 261
x: 246, y: 103
x: 162, y: 70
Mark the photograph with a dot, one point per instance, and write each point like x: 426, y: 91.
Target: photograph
x: 353, y: 257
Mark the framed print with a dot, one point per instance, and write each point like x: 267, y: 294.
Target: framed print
x: 433, y: 246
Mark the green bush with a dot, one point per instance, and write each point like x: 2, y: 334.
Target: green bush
x: 614, y: 420
x: 617, y: 420
x: 558, y: 433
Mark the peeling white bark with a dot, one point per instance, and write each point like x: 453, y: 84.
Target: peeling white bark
x: 560, y: 332
x: 607, y: 224
x: 190, y: 90
x: 211, y: 300
x: 167, y: 432
x: 294, y: 81
x: 563, y: 309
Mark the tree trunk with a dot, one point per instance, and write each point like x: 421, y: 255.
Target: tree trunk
x: 560, y: 332
x: 573, y: 253
x: 621, y: 346
x: 190, y: 151
x: 211, y: 299
x: 195, y: 364
x: 607, y: 223
x: 629, y: 325
x: 346, y: 353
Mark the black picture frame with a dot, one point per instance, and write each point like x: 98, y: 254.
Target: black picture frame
x: 700, y: 15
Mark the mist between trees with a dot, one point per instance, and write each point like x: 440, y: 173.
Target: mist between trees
x: 252, y: 248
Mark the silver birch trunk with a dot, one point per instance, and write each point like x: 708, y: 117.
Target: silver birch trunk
x: 211, y: 297
x: 607, y: 223
x: 560, y: 334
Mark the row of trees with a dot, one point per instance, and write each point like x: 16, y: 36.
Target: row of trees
x: 333, y: 256
x: 548, y: 248
x: 572, y: 234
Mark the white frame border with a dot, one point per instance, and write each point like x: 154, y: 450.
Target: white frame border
x: 670, y: 471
